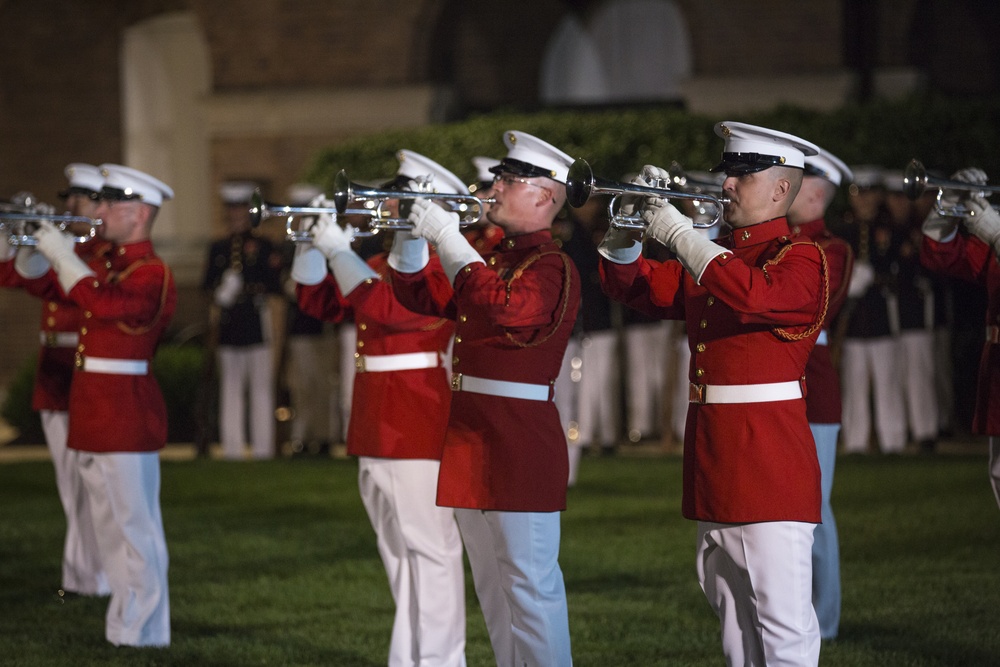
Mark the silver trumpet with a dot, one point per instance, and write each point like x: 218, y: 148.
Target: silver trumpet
x: 471, y: 209
x: 581, y: 185
x: 260, y: 210
x: 916, y: 181
x: 17, y: 218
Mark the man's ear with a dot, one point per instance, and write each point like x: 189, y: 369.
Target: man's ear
x: 782, y: 186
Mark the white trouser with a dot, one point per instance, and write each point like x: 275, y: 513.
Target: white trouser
x: 758, y: 579
x: 870, y: 365
x: 646, y: 358
x: 514, y: 557
x: 311, y: 378
x: 916, y: 365
x: 995, y: 466
x: 243, y: 369
x: 348, y: 337
x: 567, y: 399
x: 422, y: 553
x: 82, y: 572
x: 943, y: 378
x: 826, y: 593
x: 124, y: 494
x: 598, y: 395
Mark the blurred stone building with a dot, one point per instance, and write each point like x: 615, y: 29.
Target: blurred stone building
x: 201, y: 91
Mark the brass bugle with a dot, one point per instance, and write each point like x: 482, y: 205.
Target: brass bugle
x: 581, y: 185
x: 916, y: 181
x: 260, y: 210
x: 15, y: 226
x: 469, y: 207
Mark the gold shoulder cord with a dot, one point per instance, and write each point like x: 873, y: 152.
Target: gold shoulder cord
x: 565, y: 300
x: 850, y: 262
x: 137, y: 331
x: 781, y: 332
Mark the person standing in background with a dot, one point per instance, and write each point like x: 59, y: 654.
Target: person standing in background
x: 243, y: 271
x: 915, y: 316
x: 869, y: 365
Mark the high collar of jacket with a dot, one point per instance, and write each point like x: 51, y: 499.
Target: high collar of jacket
x: 525, y: 241
x: 763, y: 232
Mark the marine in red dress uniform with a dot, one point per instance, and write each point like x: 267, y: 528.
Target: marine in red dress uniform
x: 974, y: 258
x: 82, y: 572
x: 398, y: 419
x: 127, y: 296
x: 753, y: 302
x: 505, y: 461
x: 823, y: 174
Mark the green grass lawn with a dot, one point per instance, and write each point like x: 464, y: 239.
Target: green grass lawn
x: 274, y: 563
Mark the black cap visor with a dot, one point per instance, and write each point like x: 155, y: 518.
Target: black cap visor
x: 519, y: 168
x: 746, y: 163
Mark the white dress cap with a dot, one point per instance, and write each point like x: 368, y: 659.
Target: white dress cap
x: 237, y: 192
x: 133, y: 182
x: 483, y: 166
x: 300, y: 194
x: 867, y: 176
x: 752, y: 148
x: 829, y: 166
x: 531, y: 157
x: 84, y: 177
x: 422, y: 169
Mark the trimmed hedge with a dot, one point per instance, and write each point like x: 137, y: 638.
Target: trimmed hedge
x: 944, y: 134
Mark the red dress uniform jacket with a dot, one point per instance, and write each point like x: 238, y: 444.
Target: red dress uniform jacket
x: 126, y: 307
x: 754, y: 319
x: 394, y: 414
x: 514, y: 316
x: 969, y: 259
x: 56, y: 356
x: 823, y: 405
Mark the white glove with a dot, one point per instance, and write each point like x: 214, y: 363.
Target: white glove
x: 648, y: 177
x: 7, y: 250
x: 620, y: 246
x: 229, y: 288
x: 983, y: 221
x: 30, y: 263
x: 938, y: 227
x: 664, y: 221
x: 309, y: 265
x: 60, y: 249
x: 433, y: 223
x: 862, y: 277
x: 409, y: 253
x: 329, y: 237
x: 676, y: 231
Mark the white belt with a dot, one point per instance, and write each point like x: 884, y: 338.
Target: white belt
x: 744, y: 393
x: 821, y: 340
x: 59, y: 338
x: 531, y: 392
x: 116, y: 366
x: 993, y: 334
x: 381, y: 363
